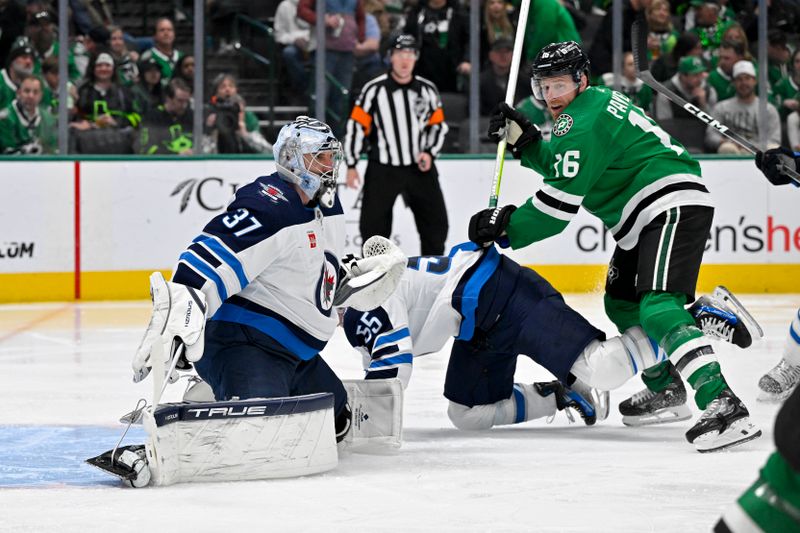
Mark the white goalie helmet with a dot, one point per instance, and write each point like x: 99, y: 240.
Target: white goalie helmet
x: 309, y: 136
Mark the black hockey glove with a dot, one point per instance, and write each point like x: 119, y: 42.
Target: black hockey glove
x: 490, y: 224
x: 772, y: 161
x: 518, y: 131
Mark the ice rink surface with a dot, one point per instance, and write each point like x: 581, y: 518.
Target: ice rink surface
x: 65, y: 374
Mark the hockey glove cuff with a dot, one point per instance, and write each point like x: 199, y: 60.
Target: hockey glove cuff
x: 489, y: 225
x: 772, y: 163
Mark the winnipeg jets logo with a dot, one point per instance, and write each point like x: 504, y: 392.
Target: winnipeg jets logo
x: 273, y: 193
x: 562, y: 125
x: 326, y: 285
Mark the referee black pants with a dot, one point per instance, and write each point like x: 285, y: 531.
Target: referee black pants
x: 421, y: 192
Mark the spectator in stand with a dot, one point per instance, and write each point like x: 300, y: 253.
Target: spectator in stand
x: 721, y: 78
x: 793, y: 130
x: 44, y: 38
x: 19, y: 66
x: 709, y: 25
x: 778, y: 55
x: 601, y: 52
x: 164, y: 51
x: 298, y: 43
x: 12, y: 20
x: 740, y: 114
x: 102, y: 103
x: 167, y: 128
x: 787, y: 90
x: 781, y: 14
x: 548, y: 22
x: 127, y: 71
x: 662, y: 36
x: 234, y: 129
x: 494, y: 79
x: 442, y: 29
x: 184, y: 69
x: 50, y: 98
x: 345, y: 24
x: 690, y: 84
x: 496, y: 24
x: 25, y: 128
x: 148, y: 93
x: 369, y: 62
x: 634, y: 88
x: 688, y: 44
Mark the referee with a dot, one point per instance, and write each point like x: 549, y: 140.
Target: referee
x: 401, y: 116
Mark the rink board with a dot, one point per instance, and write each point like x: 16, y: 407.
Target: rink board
x: 95, y: 229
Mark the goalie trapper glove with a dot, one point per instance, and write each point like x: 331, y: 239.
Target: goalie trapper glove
x: 506, y: 122
x: 772, y: 162
x: 489, y: 225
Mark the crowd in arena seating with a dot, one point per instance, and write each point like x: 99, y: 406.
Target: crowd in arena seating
x: 133, y: 94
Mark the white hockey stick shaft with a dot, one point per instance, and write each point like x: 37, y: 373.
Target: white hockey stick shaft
x: 639, y: 32
x: 519, y: 38
x: 160, y: 379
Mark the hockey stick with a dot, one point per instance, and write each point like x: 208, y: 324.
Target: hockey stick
x: 639, y: 32
x: 510, y: 90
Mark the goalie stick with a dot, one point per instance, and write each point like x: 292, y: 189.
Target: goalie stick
x: 639, y: 32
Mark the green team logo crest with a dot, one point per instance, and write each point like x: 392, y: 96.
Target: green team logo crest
x: 562, y: 125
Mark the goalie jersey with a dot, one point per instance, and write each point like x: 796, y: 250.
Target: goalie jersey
x: 252, y: 262
x: 437, y: 299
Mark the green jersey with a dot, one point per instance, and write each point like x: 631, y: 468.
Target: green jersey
x: 722, y: 83
x: 606, y: 155
x: 167, y: 63
x: 8, y: 89
x: 72, y: 67
x: 20, y: 134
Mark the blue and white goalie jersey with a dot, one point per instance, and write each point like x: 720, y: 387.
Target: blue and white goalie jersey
x: 435, y: 300
x: 271, y: 263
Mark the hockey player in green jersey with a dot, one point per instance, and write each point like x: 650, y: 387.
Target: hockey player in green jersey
x: 607, y: 156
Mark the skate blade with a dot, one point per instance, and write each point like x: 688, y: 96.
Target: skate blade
x: 774, y: 397
x: 738, y: 433
x: 104, y: 463
x: 663, y: 416
x: 722, y: 293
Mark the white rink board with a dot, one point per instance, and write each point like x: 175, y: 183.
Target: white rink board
x: 139, y: 215
x: 37, y: 214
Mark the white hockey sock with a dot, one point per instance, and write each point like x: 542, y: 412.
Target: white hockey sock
x: 524, y: 404
x: 791, y: 350
x: 608, y: 364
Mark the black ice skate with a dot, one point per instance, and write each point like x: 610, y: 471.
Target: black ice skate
x: 568, y: 398
x: 724, y: 423
x: 129, y: 463
x: 647, y: 407
x: 722, y: 316
x: 777, y: 384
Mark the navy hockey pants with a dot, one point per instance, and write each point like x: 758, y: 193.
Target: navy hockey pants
x: 519, y: 312
x: 240, y: 361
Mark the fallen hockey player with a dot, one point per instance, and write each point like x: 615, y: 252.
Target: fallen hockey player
x: 496, y: 310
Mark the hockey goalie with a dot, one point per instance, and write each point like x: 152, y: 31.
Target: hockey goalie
x: 251, y: 303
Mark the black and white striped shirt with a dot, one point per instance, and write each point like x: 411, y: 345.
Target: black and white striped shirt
x: 400, y: 122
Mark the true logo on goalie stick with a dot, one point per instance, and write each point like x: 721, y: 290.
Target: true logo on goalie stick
x: 563, y: 125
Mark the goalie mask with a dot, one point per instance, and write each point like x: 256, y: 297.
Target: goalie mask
x: 555, y: 60
x: 299, y: 152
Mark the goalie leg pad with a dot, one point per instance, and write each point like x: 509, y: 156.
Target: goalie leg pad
x: 377, y: 407
x: 241, y: 440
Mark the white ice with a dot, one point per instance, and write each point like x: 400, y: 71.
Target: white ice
x: 65, y: 374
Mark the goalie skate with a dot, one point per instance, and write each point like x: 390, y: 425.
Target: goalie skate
x: 722, y: 316
x: 129, y: 463
x: 777, y: 384
x: 647, y: 407
x: 725, y: 423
